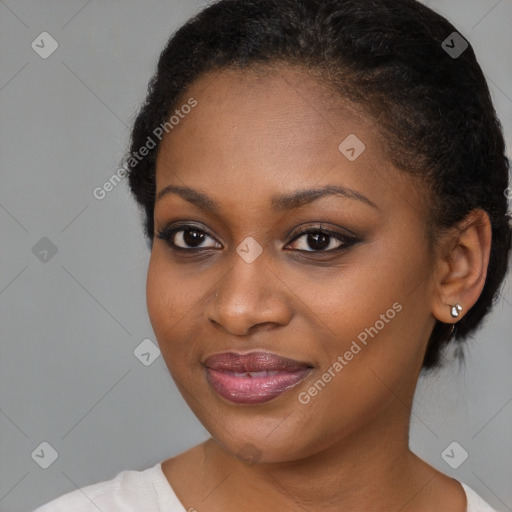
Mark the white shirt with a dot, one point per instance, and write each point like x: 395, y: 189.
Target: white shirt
x: 149, y: 491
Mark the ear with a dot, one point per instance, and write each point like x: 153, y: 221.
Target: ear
x: 461, y: 266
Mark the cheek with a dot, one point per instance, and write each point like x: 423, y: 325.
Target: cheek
x: 158, y: 294
x: 367, y: 299
x: 175, y: 304
x: 166, y: 301
x: 169, y: 294
x: 376, y: 317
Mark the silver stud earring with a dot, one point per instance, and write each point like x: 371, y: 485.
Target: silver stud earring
x: 455, y: 311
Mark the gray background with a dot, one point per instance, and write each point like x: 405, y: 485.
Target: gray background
x: 70, y: 324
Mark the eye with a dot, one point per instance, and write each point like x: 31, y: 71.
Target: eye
x: 186, y: 238
x: 323, y: 240
x: 189, y: 238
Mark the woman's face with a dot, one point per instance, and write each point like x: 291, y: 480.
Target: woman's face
x: 352, y: 308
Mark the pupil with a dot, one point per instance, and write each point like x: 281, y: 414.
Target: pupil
x: 194, y: 239
x: 315, y: 237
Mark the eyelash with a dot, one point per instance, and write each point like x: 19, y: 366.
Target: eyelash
x: 168, y: 232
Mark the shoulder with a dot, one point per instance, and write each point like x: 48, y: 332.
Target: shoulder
x: 129, y: 491
x: 475, y: 502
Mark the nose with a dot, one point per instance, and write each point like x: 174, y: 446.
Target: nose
x: 250, y: 297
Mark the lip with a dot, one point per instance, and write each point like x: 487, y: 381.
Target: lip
x: 255, y: 377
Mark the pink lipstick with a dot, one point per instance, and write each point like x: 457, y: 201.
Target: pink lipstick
x: 255, y: 377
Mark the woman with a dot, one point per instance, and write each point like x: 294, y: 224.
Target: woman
x: 323, y: 184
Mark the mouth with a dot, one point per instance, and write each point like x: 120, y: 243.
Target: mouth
x: 253, y: 378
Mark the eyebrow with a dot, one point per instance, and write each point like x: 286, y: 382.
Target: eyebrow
x: 279, y: 203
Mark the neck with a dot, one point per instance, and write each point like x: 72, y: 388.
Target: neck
x: 373, y: 465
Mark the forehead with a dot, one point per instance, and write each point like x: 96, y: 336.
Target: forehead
x: 287, y: 112
x: 270, y: 129
x: 267, y: 98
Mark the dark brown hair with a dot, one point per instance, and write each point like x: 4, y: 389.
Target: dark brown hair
x: 434, y: 109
